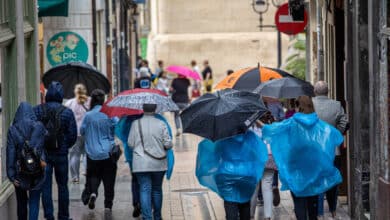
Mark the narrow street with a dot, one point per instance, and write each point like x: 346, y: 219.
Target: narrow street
x: 184, y: 198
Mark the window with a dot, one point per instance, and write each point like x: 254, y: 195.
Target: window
x: 3, y: 11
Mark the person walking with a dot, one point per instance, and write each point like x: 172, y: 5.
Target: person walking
x: 276, y: 109
x: 144, y: 81
x: 162, y: 82
x: 149, y: 137
x: 98, y: 131
x: 266, y: 183
x: 25, y: 142
x: 332, y: 112
x: 179, y: 89
x: 160, y: 68
x: 207, y: 75
x: 295, y: 143
x: 62, y: 135
x: 79, y: 106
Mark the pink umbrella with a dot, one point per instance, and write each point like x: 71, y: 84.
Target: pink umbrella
x: 184, y: 71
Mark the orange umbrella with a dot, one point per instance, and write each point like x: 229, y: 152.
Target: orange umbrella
x: 249, y: 79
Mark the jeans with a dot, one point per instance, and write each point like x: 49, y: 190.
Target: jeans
x: 235, y: 210
x: 74, y: 158
x: 266, y: 188
x: 177, y: 115
x: 134, y: 188
x: 60, y: 165
x: 98, y: 171
x: 151, y: 194
x: 31, y: 197
x: 305, y: 208
x: 275, y: 184
x: 331, y: 194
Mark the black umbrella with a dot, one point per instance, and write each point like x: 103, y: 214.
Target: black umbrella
x: 287, y: 87
x: 222, y: 114
x: 72, y: 73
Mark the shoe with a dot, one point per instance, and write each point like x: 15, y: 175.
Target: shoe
x: 275, y: 192
x: 92, y: 199
x: 85, y: 196
x: 137, y: 211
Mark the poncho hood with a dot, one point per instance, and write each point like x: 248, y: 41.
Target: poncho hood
x: 307, y: 120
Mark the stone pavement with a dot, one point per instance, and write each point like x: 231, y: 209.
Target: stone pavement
x: 184, y: 198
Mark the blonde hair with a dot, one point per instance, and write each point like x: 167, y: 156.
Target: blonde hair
x: 81, y: 93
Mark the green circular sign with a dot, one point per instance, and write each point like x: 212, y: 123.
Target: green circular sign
x: 65, y: 47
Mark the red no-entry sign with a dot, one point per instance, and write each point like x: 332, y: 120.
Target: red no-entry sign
x: 285, y: 23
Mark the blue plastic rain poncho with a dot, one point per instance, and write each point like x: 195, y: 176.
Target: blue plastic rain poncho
x: 122, y: 131
x: 303, y: 148
x: 232, y: 167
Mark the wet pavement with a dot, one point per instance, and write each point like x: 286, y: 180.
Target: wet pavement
x: 183, y: 197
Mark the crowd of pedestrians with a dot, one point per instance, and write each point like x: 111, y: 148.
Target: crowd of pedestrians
x: 52, y: 137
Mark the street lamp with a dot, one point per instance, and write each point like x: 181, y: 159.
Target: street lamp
x: 261, y: 7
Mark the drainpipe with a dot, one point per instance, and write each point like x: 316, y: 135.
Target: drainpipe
x: 108, y: 47
x: 94, y: 41
x: 320, y: 49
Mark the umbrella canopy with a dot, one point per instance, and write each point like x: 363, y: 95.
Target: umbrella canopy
x: 249, y: 79
x: 222, y: 114
x: 72, y: 73
x: 184, y: 71
x: 119, y: 111
x: 135, y: 98
x: 285, y: 88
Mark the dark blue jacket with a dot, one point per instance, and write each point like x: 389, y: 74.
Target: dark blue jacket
x: 24, y: 127
x: 54, y: 97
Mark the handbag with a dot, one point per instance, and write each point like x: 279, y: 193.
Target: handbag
x: 115, y: 153
x: 143, y: 146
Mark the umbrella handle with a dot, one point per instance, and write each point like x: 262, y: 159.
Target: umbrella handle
x: 253, y: 118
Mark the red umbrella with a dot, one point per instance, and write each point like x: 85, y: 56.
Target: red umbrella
x: 120, y: 111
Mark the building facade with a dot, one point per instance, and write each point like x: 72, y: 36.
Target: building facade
x: 19, y: 74
x: 350, y: 39
x: 224, y: 32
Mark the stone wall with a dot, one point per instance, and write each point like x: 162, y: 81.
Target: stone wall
x: 223, y: 31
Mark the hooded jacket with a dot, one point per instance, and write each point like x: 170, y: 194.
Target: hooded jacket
x: 54, y: 97
x: 24, y: 127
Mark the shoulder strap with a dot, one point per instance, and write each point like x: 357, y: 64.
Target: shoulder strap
x: 143, y: 146
x: 59, y: 110
x: 25, y: 142
x: 85, y: 108
x: 141, y: 133
x: 44, y: 115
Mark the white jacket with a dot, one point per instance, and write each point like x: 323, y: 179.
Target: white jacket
x: 156, y: 141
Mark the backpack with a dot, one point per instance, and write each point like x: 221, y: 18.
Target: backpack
x: 52, y: 121
x: 29, y: 161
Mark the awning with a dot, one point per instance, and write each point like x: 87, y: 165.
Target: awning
x: 48, y: 8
